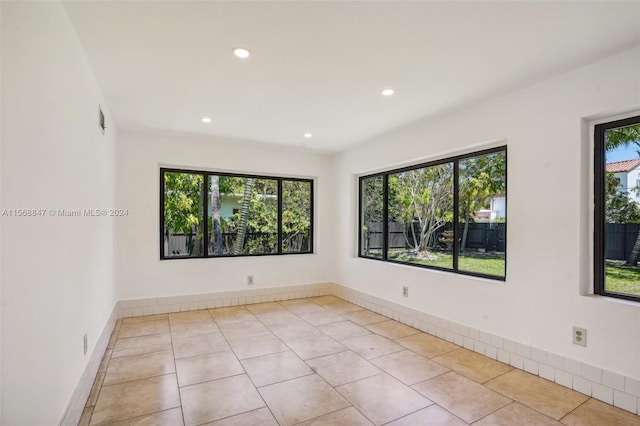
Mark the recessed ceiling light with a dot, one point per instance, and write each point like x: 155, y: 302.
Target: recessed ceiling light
x: 241, y: 52
x: 308, y: 135
x: 205, y: 120
x: 387, y: 92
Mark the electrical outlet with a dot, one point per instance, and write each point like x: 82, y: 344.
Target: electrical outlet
x: 85, y: 343
x: 405, y: 291
x: 579, y: 336
x: 249, y: 279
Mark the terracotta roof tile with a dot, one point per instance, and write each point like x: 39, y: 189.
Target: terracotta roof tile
x: 623, y: 166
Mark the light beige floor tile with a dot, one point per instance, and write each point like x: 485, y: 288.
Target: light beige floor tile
x: 250, y: 347
x: 392, y: 329
x: 268, y: 369
x: 597, y: 413
x: 260, y: 417
x: 427, y: 345
x: 461, y: 396
x: 172, y: 417
x: 472, y: 365
x: 190, y: 317
x: 382, y: 398
x: 181, y: 330
x: 346, y: 417
x: 243, y: 330
x: 106, y: 358
x: 409, y: 367
x: 218, y: 399
x: 134, y: 320
x: 144, y: 328
x: 343, y: 367
x: 260, y: 308
x: 304, y: 308
x: 301, y: 399
x: 342, y: 307
x: 294, y: 330
x: 343, y: 330
x: 231, y: 317
x: 517, y: 414
x: 315, y: 346
x: 203, y: 368
x: 431, y: 416
x: 364, y: 317
x: 199, y: 345
x: 137, y: 398
x: 277, y: 317
x: 127, y: 368
x: 114, y: 337
x: 372, y: 346
x: 85, y: 417
x: 95, y: 389
x: 227, y: 310
x: 325, y: 300
x: 321, y: 317
x: 542, y: 395
x: 142, y: 345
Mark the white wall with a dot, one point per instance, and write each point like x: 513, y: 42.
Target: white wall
x: 549, y: 216
x: 57, y: 272
x: 140, y: 272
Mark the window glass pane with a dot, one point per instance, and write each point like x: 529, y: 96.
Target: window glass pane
x: 296, y: 216
x: 420, y: 216
x: 182, y: 212
x: 371, y: 234
x: 622, y: 212
x: 243, y: 215
x: 482, y: 213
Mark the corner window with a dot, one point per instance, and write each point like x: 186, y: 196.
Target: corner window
x: 448, y: 215
x: 207, y: 214
x: 617, y: 212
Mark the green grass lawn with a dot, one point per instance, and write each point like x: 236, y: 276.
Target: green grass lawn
x: 621, y: 279
x: 480, y: 265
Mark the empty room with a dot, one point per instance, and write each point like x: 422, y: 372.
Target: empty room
x: 319, y: 213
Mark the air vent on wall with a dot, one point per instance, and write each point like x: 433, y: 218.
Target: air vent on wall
x: 101, y: 120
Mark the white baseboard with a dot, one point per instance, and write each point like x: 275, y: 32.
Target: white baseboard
x: 164, y: 305
x: 79, y: 397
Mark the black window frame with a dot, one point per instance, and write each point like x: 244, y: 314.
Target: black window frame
x: 599, y: 225
x: 385, y: 212
x: 205, y: 212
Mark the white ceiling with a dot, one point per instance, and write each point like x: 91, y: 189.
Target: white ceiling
x: 319, y: 66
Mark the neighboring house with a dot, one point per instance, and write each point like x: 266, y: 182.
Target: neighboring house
x: 497, y: 210
x: 628, y: 171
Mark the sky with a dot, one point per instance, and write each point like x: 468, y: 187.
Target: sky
x: 623, y: 153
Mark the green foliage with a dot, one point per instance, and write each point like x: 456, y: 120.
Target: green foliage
x: 621, y: 136
x: 425, y: 196
x: 183, y: 207
x: 618, y: 207
x: 296, y: 214
x: 371, y: 193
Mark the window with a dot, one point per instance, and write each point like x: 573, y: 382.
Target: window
x: 240, y: 215
x: 448, y: 215
x: 617, y: 213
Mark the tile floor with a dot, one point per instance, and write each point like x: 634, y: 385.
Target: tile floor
x: 315, y: 361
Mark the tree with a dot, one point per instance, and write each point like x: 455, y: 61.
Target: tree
x: 183, y: 209
x: 371, y: 194
x: 296, y: 215
x: 618, y: 207
x: 244, y: 216
x: 615, y: 138
x: 216, y: 227
x: 480, y: 179
x: 424, y: 196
